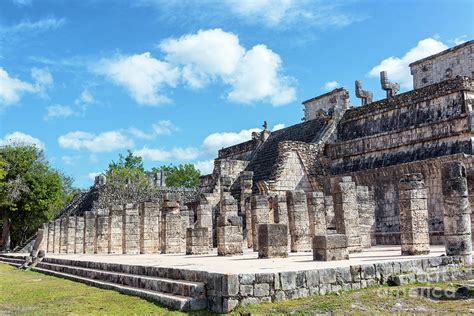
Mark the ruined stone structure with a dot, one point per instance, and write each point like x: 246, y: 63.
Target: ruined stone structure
x: 396, y: 171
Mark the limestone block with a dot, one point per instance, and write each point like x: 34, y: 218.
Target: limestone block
x: 317, y: 213
x: 281, y: 213
x: 298, y: 218
x: 414, y: 233
x: 116, y: 229
x: 89, y: 232
x: 197, y: 241
x: 102, y: 231
x: 273, y: 240
x: 131, y: 229
x: 50, y: 237
x: 330, y: 247
x: 260, y: 209
x: 79, y: 245
x: 57, y: 235
x: 171, y: 234
x: 149, y: 227
x: 230, y: 240
x: 185, y: 224
x: 204, y: 218
x: 457, y: 211
x: 347, y: 213
x: 366, y: 208
x: 63, y: 235
x: 71, y: 234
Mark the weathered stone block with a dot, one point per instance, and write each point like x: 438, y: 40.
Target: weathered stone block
x: 330, y: 247
x: 272, y: 240
x: 71, y: 234
x: 131, y: 229
x: 298, y: 217
x: 89, y: 232
x: 197, y: 241
x: 116, y: 229
x: 79, y: 245
x: 149, y: 227
x: 260, y: 210
x: 102, y: 231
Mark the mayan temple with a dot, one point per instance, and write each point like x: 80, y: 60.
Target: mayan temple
x: 354, y: 182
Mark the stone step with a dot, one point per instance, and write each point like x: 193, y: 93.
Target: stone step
x: 178, y: 302
x: 176, y: 287
x: 12, y: 260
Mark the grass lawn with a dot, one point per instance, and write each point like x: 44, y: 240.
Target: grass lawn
x: 26, y: 292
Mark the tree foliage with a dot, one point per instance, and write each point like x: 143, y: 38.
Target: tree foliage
x: 186, y: 175
x: 30, y: 191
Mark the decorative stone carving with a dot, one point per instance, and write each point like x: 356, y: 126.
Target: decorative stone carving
x: 389, y: 87
x: 131, y: 229
x: 102, y: 231
x: 229, y: 228
x: 260, y: 215
x: 457, y: 211
x: 171, y: 231
x: 366, y: 96
x: 298, y: 218
x: 149, y: 227
x: 414, y: 234
x: 197, y: 240
x: 79, y: 246
x: 116, y: 229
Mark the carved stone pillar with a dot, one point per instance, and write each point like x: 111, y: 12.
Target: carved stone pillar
x: 346, y: 212
x: 298, y: 218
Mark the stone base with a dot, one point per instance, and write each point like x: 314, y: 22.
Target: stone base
x: 330, y: 248
x: 415, y: 249
x: 229, y: 241
x: 272, y: 241
x: 197, y: 241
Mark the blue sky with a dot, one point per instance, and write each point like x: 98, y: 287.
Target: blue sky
x: 174, y: 81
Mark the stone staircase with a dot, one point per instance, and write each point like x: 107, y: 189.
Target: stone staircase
x: 172, y: 293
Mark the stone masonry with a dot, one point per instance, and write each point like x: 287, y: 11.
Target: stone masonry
x: 414, y: 235
x: 71, y: 234
x: 89, y: 232
x: 171, y: 226
x: 63, y: 235
x: 204, y: 218
x: 280, y: 212
x: 272, y: 241
x: 298, y: 218
x: 229, y: 228
x: 131, y: 229
x: 149, y: 227
x: 330, y: 247
x: 457, y: 211
x: 102, y: 231
x: 260, y: 215
x: 79, y: 245
x: 366, y: 208
x: 116, y: 229
x: 347, y: 213
x: 197, y: 240
x: 317, y: 213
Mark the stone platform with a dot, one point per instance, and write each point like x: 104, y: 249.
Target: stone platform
x: 222, y: 283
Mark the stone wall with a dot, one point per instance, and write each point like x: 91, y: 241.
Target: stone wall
x: 336, y: 99
x: 456, y: 61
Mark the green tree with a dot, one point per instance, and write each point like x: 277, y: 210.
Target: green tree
x: 30, y: 192
x: 186, y: 175
x: 128, y: 162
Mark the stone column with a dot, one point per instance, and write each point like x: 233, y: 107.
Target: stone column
x: 197, y: 240
x: 330, y: 247
x: 414, y: 234
x: 116, y: 229
x: 50, y: 237
x: 260, y: 215
x: 204, y: 218
x: 149, y: 227
x: 281, y: 213
x: 57, y: 235
x: 366, y: 206
x: 330, y: 216
x: 298, y: 217
x: 71, y: 234
x: 103, y: 231
x: 79, y: 246
x: 457, y: 211
x: 63, y: 235
x: 184, y: 211
x: 346, y: 212
x: 89, y: 232
x: 131, y: 229
x: 317, y: 213
x: 272, y: 241
x: 171, y: 231
x: 246, y: 184
x: 229, y: 228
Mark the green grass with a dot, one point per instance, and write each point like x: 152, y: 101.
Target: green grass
x: 26, y: 292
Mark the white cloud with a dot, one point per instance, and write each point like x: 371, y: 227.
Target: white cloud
x: 45, y: 24
x: 253, y: 75
x: 11, y: 88
x: 19, y: 138
x: 23, y: 2
x: 103, y: 142
x: 138, y: 133
x: 204, y: 55
x: 460, y: 40
x: 142, y: 75
x: 164, y: 127
x: 278, y: 126
x: 330, y: 85
x: 155, y: 154
x: 205, y: 166
x: 55, y: 111
x: 274, y: 13
x: 42, y: 76
x: 85, y: 98
x: 70, y: 160
x: 397, y: 67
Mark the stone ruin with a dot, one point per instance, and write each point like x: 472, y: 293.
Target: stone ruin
x: 393, y: 171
